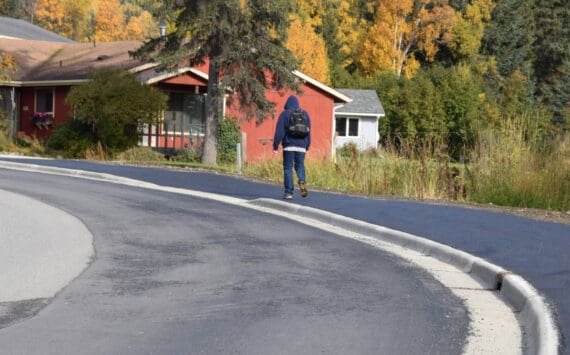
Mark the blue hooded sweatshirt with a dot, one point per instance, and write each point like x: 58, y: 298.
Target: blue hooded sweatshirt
x: 281, y: 135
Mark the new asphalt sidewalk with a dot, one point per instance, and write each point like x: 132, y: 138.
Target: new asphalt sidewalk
x: 537, y: 317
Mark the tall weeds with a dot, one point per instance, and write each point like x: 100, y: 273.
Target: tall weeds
x: 516, y: 165
x: 511, y: 166
x: 96, y: 152
x: 21, y: 144
x: 400, y: 171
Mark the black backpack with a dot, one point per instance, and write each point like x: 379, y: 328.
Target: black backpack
x: 298, y: 125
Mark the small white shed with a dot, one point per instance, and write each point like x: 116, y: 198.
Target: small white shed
x: 357, y: 121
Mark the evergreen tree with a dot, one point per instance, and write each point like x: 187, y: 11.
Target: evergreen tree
x: 459, y: 5
x: 510, y: 36
x: 6, y: 8
x: 533, y: 37
x: 21, y: 9
x: 342, y: 31
x: 551, y: 51
x: 242, y: 40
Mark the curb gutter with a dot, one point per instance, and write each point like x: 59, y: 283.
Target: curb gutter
x: 536, y: 316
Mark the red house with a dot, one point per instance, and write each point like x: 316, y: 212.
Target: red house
x: 47, y: 70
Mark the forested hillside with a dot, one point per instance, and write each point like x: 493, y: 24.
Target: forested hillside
x: 444, y: 69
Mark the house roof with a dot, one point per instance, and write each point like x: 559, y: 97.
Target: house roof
x: 57, y: 63
x: 336, y: 94
x: 152, y: 76
x: 14, y: 28
x: 47, y: 61
x: 364, y: 103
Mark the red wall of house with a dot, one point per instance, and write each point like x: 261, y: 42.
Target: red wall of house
x: 186, y: 80
x: 319, y: 106
x: 27, y: 108
x: 259, y: 139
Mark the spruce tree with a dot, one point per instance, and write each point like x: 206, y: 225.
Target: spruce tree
x: 242, y: 40
x: 552, y: 55
x: 533, y: 37
x: 510, y: 36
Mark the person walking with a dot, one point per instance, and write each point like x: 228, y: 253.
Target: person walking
x: 293, y: 132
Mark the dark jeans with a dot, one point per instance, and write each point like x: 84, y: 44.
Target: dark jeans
x: 291, y: 159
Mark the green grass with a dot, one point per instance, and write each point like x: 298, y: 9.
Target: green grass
x: 140, y: 155
x: 185, y: 159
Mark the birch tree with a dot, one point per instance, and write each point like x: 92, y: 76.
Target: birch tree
x: 403, y: 28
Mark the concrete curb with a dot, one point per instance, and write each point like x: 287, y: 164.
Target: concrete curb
x: 534, y: 313
x: 536, y: 316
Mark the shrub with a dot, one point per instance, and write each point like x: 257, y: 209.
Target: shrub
x: 228, y: 138
x: 347, y: 151
x: 187, y: 155
x: 71, y: 139
x: 116, y: 105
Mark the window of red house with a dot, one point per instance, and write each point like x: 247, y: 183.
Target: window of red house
x: 186, y: 112
x: 44, y: 100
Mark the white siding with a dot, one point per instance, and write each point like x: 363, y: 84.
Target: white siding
x: 367, y: 134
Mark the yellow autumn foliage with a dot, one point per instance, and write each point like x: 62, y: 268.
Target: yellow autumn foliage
x: 309, y: 48
x: 109, y: 23
x: 400, y: 28
x: 469, y: 28
x: 52, y: 15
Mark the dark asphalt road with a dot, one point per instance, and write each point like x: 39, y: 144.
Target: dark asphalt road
x: 181, y: 275
x: 538, y: 251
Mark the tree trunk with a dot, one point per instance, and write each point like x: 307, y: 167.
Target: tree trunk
x: 214, y: 102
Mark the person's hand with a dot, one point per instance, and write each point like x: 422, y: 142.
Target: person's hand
x: 275, y: 152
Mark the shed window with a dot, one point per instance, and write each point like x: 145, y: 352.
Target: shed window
x: 347, y: 127
x: 44, y: 100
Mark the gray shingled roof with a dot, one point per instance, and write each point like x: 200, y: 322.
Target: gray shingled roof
x: 364, y: 102
x: 14, y: 28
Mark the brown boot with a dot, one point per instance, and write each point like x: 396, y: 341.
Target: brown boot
x: 303, y: 187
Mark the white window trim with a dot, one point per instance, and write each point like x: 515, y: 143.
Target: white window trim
x: 347, y: 119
